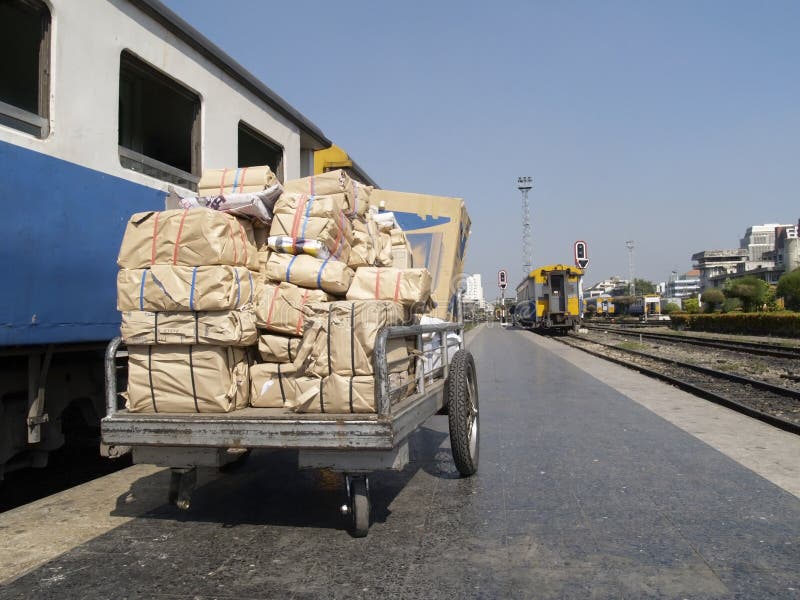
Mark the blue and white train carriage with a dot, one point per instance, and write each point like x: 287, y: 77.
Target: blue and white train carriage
x: 103, y: 105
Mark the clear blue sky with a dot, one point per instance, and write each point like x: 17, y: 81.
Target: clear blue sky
x: 674, y: 124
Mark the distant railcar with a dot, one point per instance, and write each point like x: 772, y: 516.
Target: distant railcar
x: 550, y: 299
x: 601, y: 306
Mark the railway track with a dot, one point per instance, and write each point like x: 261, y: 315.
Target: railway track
x: 769, y: 403
x: 755, y: 348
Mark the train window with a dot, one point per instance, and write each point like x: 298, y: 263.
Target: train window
x: 25, y: 80
x: 159, y: 124
x: 255, y: 150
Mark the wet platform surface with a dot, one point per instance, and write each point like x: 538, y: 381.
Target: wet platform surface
x: 581, y: 493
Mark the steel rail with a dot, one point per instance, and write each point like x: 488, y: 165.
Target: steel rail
x: 778, y: 422
x: 736, y: 346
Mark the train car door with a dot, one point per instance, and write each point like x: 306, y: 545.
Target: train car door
x: 558, y: 296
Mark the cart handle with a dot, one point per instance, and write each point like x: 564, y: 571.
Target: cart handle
x: 111, y: 376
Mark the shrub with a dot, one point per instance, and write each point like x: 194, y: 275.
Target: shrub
x: 760, y: 323
x: 670, y: 308
x: 712, y: 299
x: 789, y: 289
x: 691, y: 305
x: 752, y: 291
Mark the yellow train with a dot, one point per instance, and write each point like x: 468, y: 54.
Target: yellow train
x: 332, y: 158
x: 601, y: 306
x: 550, y: 299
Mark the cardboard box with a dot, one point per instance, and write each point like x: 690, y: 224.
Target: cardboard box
x: 437, y: 228
x: 215, y: 328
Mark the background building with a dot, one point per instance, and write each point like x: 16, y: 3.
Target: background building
x: 474, y: 291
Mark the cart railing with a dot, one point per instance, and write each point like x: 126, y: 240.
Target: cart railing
x: 380, y: 363
x: 383, y: 389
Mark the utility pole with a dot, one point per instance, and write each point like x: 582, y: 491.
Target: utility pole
x: 630, y: 245
x: 524, y: 185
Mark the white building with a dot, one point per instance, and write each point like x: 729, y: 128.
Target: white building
x: 759, y: 239
x: 474, y: 291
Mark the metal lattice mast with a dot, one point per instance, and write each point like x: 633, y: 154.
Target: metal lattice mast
x: 524, y: 185
x: 630, y: 245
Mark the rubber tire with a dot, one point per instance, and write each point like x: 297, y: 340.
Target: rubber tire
x: 360, y: 507
x: 460, y: 388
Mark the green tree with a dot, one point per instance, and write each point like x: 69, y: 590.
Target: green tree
x: 644, y: 287
x: 691, y: 305
x: 789, y: 289
x: 712, y: 299
x: 731, y: 305
x: 670, y: 307
x: 752, y: 291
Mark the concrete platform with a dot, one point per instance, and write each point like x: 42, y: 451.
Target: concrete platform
x: 594, y: 483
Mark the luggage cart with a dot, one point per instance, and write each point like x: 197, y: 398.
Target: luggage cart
x: 353, y: 444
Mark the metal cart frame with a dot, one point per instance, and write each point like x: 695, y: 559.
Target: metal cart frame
x: 354, y: 444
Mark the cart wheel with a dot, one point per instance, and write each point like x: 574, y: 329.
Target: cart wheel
x: 462, y: 400
x: 359, y: 500
x: 181, y: 485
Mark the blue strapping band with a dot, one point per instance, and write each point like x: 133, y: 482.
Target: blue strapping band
x: 305, y: 219
x: 191, y: 293
x: 250, y: 275
x: 289, y: 269
x: 141, y: 288
x: 235, y: 181
x: 238, y: 286
x: 319, y: 275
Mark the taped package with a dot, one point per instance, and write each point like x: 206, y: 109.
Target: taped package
x: 410, y: 287
x: 334, y: 182
x: 330, y: 275
x: 187, y: 379
x: 250, y: 205
x: 218, y: 328
x: 340, y: 394
x: 331, y: 206
x: 340, y: 337
x: 189, y: 237
x: 218, y: 182
x: 278, y: 348
x: 279, y: 307
x: 333, y: 234
x: 275, y: 385
x: 166, y: 288
x: 402, y: 258
x: 432, y: 346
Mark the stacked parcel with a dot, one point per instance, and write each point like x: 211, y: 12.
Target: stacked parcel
x: 186, y: 290
x: 318, y: 348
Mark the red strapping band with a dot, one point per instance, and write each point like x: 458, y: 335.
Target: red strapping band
x: 298, y: 213
x: 272, y: 305
x: 222, y: 182
x: 178, y: 239
x: 155, y: 235
x: 301, y: 318
x: 241, y: 181
x: 397, y: 286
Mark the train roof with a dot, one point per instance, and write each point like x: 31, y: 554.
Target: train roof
x: 572, y: 269
x: 311, y: 136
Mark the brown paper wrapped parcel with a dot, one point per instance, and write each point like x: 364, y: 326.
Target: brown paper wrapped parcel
x: 187, y: 379
x: 410, y: 287
x: 216, y: 182
x: 330, y: 275
x: 216, y: 328
x: 340, y: 394
x: 189, y: 237
x: 276, y: 385
x: 340, y: 337
x: 334, y: 182
x: 278, y: 348
x: 167, y: 288
x: 331, y: 206
x: 280, y: 307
